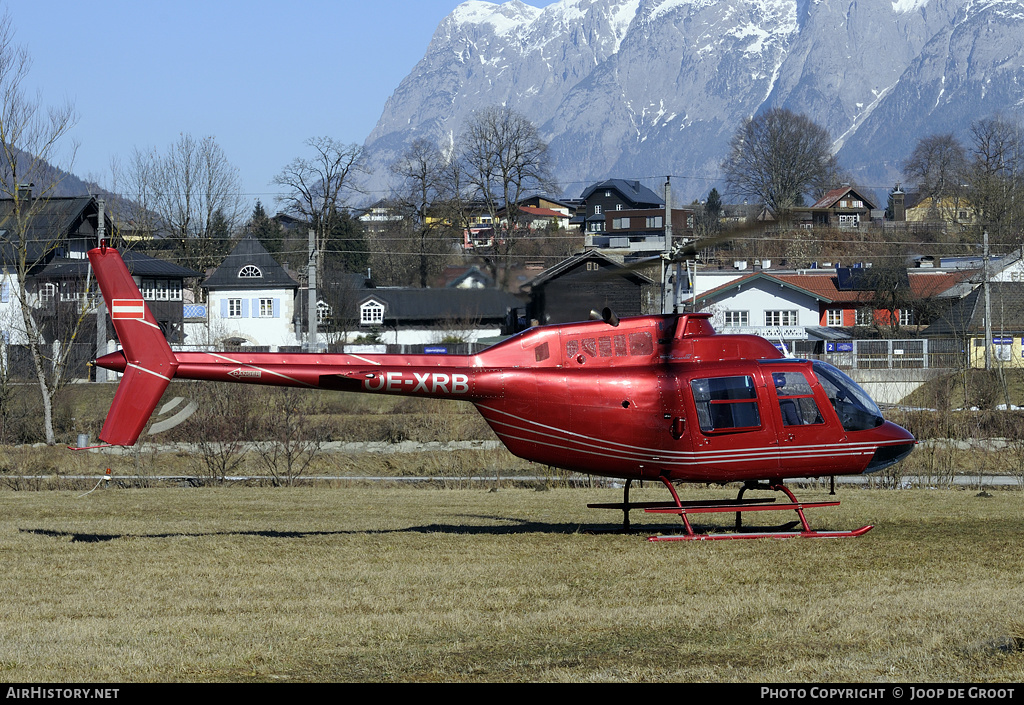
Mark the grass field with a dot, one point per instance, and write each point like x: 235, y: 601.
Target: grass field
x: 375, y: 583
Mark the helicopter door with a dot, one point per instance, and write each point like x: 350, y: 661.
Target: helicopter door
x: 732, y: 428
x: 809, y: 434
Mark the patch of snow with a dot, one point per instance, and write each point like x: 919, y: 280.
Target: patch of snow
x: 862, y: 116
x: 904, y: 6
x: 504, y: 19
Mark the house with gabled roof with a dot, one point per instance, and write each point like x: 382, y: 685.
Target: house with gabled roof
x: 625, y: 216
x: 953, y: 211
x: 823, y: 304
x: 406, y: 316
x: 251, y: 302
x: 588, y: 281
x: 602, y: 199
x: 766, y: 304
x: 844, y: 207
x: 965, y: 320
x: 538, y: 218
x: 466, y: 277
x: 60, y: 232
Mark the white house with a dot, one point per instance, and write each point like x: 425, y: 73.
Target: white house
x: 250, y: 302
x: 432, y: 316
x: 765, y: 305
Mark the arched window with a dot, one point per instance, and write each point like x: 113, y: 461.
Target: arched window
x: 250, y: 271
x: 323, y: 311
x: 371, y: 313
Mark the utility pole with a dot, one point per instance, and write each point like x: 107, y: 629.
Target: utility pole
x: 311, y: 272
x: 988, y: 307
x: 101, y: 306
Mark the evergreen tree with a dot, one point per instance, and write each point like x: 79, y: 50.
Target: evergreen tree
x: 265, y: 229
x: 346, y: 247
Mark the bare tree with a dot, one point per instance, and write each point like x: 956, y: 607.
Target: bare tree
x: 195, y: 193
x: 294, y: 431
x: 422, y: 190
x: 29, y: 147
x: 995, y: 178
x: 504, y: 160
x: 222, y: 428
x: 393, y: 257
x: 938, y: 164
x: 778, y: 157
x: 318, y: 186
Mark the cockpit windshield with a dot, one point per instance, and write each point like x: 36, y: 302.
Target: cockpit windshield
x: 856, y: 410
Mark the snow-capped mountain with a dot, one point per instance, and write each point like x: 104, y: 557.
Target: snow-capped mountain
x: 640, y: 89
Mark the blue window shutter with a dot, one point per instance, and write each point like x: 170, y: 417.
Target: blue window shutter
x: 277, y: 308
x: 256, y: 312
x: 5, y: 293
x: 223, y: 308
x: 245, y: 308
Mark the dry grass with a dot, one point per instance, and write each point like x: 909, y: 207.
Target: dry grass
x: 386, y: 584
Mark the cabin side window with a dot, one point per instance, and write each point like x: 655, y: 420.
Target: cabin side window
x: 726, y: 403
x: 796, y: 399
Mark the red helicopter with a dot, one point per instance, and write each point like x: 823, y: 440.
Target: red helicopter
x: 661, y: 398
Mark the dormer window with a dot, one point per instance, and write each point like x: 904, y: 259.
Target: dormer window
x: 371, y: 313
x: 250, y: 271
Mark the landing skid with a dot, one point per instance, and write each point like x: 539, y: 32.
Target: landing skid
x: 738, y: 505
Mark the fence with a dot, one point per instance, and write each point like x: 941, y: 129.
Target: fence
x: 911, y: 354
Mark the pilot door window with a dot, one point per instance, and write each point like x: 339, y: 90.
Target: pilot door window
x: 726, y: 403
x: 796, y: 400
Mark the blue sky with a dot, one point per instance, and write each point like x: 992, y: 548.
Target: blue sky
x: 260, y: 76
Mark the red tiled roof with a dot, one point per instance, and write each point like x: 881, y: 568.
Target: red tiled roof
x: 831, y: 197
x: 825, y: 285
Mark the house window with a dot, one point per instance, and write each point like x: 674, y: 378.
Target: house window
x: 654, y: 221
x: 1003, y: 349
x: 161, y: 290
x: 597, y: 210
x: 620, y: 223
x: 736, y: 319
x: 593, y: 266
x: 371, y: 314
x: 234, y: 308
x: 323, y: 311
x: 865, y: 317
x: 250, y: 271
x: 69, y: 291
x: 266, y: 308
x: 834, y: 317
x: 907, y: 317
x: 780, y: 318
x: 47, y: 292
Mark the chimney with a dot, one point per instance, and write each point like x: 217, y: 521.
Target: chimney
x: 24, y: 196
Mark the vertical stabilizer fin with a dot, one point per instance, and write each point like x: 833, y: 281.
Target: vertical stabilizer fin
x: 149, y: 363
